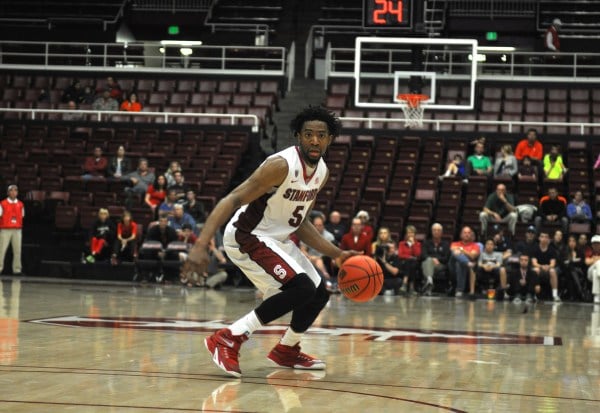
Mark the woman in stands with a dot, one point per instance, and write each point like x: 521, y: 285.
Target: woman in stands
x: 125, y: 246
x: 381, y: 242
x: 506, y: 163
x: 156, y: 193
x: 132, y: 104
x: 103, y: 233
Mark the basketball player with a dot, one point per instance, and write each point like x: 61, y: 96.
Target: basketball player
x: 267, y: 208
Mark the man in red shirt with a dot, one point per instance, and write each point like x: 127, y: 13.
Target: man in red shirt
x: 530, y: 146
x: 12, y: 212
x: 463, y: 258
x: 356, y: 239
x: 95, y: 166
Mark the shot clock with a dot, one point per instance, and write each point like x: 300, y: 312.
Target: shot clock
x: 387, y: 14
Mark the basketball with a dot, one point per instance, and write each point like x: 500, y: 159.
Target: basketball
x: 360, y: 278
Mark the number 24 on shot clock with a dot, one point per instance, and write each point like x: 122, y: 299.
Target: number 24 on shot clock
x: 387, y: 14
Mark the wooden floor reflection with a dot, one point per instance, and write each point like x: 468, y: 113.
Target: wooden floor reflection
x: 107, y: 347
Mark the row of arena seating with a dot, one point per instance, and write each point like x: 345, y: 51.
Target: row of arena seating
x: 256, y: 97
x: 396, y: 180
x: 49, y: 158
x: 493, y: 103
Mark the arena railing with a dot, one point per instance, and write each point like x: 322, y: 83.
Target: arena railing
x: 584, y: 127
x: 188, y: 58
x: 455, y: 64
x: 167, y: 117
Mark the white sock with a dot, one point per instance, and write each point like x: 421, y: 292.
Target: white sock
x: 429, y: 280
x: 246, y: 325
x: 554, y: 292
x: 290, y: 338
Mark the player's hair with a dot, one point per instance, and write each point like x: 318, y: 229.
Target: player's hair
x: 316, y: 113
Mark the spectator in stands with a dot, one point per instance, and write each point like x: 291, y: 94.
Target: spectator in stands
x: 317, y: 259
x: 559, y: 245
x: 118, y: 165
x: 73, y: 92
x: 179, y: 218
x: 43, y: 96
x: 113, y: 89
x: 592, y: 260
x: 138, y: 181
x: 523, y: 281
x: 579, y: 210
x: 179, y: 186
x: 506, y: 164
x: 174, y: 166
x: 367, y: 228
x: 156, y: 194
x: 573, y: 264
x: 456, y: 167
x: 554, y: 167
x: 482, y: 140
x: 72, y: 116
x: 503, y: 244
x: 168, y: 204
x: 132, y: 104
x: 499, y: 208
x: 490, y: 269
x: 463, y: 259
x: 435, y: 254
x: 478, y: 163
x: 95, y: 166
x: 195, y: 208
x: 551, y: 38
x: 88, y: 96
x: 544, y: 261
x: 528, y: 245
x: 336, y: 226
x: 163, y: 234
x: 125, y: 246
x: 356, y: 239
x: 102, y: 236
x: 389, y: 262
x: 553, y: 208
x: 12, y: 212
x: 527, y: 169
x: 383, y: 238
x: 582, y: 241
x: 597, y: 163
x: 409, y: 252
x: 530, y: 146
x: 105, y: 102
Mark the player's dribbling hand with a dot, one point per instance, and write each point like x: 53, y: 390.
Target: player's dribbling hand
x: 197, y: 261
x: 344, y: 256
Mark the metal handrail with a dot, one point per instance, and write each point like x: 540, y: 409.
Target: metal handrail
x: 167, y: 116
x: 266, y: 61
x: 438, y: 122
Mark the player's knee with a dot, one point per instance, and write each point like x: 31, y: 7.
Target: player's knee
x: 303, y: 286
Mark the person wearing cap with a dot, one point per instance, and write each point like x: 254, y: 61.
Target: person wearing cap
x: 12, y: 212
x: 551, y: 39
x: 592, y: 260
x: 367, y: 228
x: 527, y: 245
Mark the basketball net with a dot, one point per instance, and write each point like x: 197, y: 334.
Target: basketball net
x: 412, y: 108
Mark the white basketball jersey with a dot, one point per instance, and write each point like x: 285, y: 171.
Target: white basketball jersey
x: 279, y: 212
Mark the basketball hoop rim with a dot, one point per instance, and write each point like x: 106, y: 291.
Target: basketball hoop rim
x: 413, y: 99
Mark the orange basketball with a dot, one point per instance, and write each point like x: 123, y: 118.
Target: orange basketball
x: 360, y: 278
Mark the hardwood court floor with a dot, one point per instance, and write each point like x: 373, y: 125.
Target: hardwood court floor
x: 73, y: 346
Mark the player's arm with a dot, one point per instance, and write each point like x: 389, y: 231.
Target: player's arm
x: 309, y: 235
x: 270, y: 174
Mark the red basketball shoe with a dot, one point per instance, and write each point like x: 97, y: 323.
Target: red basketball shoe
x: 292, y: 357
x: 225, y: 348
